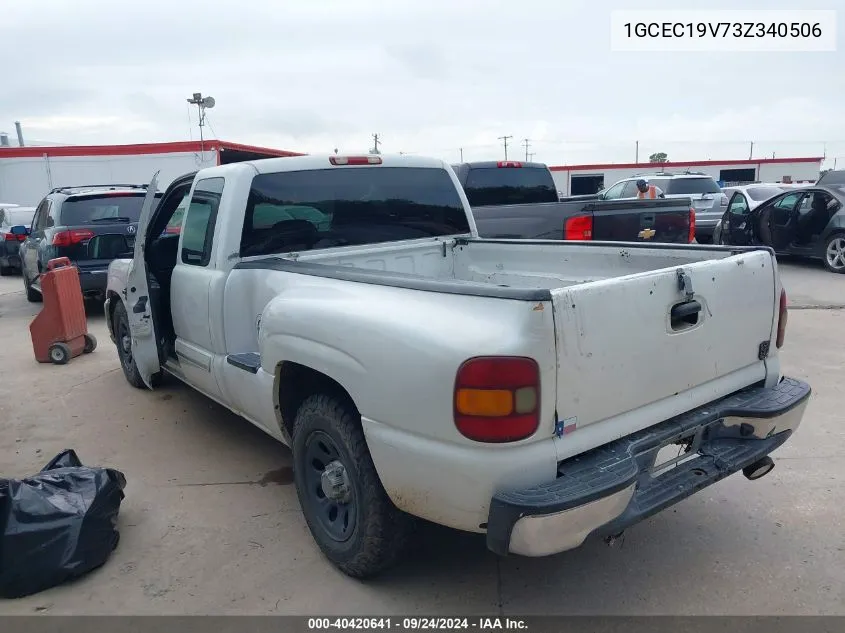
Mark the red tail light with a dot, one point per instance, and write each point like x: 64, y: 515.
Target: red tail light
x: 783, y: 313
x: 74, y: 236
x: 691, y: 225
x: 11, y: 237
x: 578, y: 227
x: 508, y: 163
x: 355, y: 160
x: 497, y: 398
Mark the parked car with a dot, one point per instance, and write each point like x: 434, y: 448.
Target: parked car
x: 751, y: 195
x: 522, y: 389
x: 808, y: 222
x: 707, y: 198
x: 66, y: 219
x: 15, y: 223
x: 514, y: 200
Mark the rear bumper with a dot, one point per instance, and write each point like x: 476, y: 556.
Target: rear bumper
x: 614, y: 486
x: 93, y: 281
x: 10, y: 260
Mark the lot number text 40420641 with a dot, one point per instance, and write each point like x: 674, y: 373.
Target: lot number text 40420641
x: 417, y: 623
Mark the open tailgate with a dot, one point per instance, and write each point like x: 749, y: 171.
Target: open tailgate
x: 618, y: 349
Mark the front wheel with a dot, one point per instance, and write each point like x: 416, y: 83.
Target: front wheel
x: 123, y: 339
x: 349, y: 514
x: 834, y: 253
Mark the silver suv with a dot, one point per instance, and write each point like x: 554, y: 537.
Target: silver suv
x: 707, y: 198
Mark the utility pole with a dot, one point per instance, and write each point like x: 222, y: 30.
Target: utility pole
x: 504, y: 140
x: 637, y: 153
x: 202, y: 103
x: 530, y: 157
x: 526, y: 142
x: 376, y: 142
x: 461, y: 150
x: 751, y: 151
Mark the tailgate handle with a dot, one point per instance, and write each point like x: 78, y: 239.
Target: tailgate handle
x: 685, y: 314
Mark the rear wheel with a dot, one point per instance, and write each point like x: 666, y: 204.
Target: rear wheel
x: 5, y: 271
x: 347, y: 510
x: 834, y: 253
x: 123, y: 340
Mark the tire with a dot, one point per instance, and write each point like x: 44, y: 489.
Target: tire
x: 59, y: 354
x: 123, y: 341
x: 90, y: 344
x: 833, y: 254
x: 369, y: 532
x: 6, y: 271
x: 32, y: 295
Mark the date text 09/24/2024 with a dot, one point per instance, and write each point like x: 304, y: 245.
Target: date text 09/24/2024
x: 418, y: 623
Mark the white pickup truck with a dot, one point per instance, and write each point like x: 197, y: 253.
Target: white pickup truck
x: 522, y: 389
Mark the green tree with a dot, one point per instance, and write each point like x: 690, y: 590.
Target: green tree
x: 658, y: 157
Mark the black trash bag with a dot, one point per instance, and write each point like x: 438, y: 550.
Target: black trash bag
x: 57, y: 525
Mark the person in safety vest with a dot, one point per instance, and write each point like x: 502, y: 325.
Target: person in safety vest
x: 646, y: 190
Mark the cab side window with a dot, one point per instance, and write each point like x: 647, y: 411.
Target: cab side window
x: 200, y: 220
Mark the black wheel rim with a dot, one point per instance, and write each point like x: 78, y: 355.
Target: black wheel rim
x: 337, y: 516
x: 124, y: 343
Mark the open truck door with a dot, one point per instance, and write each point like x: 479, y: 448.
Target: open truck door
x: 139, y: 308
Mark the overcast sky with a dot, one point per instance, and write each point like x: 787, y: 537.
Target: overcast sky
x: 430, y: 76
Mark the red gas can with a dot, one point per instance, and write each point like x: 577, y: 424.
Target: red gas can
x: 60, y: 331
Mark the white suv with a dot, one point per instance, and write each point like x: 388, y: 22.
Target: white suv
x: 707, y: 198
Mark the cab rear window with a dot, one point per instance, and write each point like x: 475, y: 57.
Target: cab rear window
x: 487, y: 186
x: 322, y: 208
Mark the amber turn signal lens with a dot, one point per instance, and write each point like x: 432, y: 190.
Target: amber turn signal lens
x: 484, y: 402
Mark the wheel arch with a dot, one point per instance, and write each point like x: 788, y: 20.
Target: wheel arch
x: 294, y: 383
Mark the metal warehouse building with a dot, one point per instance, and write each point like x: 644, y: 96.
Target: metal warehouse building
x: 27, y: 174
x: 575, y: 180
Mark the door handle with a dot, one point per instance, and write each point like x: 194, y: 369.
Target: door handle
x: 684, y: 314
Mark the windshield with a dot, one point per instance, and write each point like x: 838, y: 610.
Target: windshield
x: 763, y: 193
x: 303, y: 210
x: 117, y: 207
x: 486, y: 186
x: 688, y: 186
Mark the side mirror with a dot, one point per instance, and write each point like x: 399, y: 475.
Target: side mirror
x: 20, y: 229
x: 109, y: 246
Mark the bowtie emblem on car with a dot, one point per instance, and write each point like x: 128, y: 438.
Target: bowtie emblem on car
x: 646, y: 234
x: 131, y: 229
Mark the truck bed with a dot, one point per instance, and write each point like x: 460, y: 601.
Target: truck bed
x: 609, y: 334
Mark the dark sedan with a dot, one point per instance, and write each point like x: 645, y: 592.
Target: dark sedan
x: 807, y: 222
